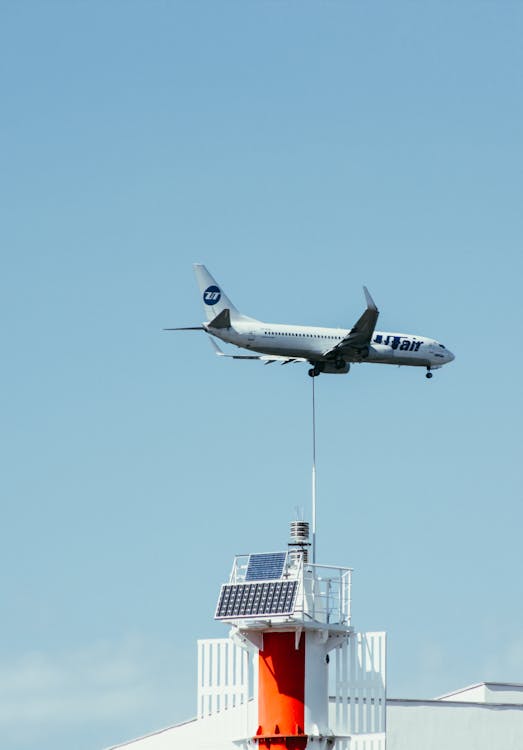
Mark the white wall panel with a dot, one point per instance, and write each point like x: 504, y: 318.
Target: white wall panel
x: 223, y: 676
x: 359, y: 676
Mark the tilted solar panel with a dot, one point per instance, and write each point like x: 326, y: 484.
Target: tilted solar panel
x: 266, y: 566
x: 256, y: 599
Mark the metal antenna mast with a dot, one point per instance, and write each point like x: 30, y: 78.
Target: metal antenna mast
x: 313, y: 474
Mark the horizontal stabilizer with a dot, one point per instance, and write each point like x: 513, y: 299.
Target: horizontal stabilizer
x: 186, y: 328
x: 222, y: 320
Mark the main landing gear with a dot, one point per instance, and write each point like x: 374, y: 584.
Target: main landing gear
x: 429, y: 374
x: 314, y: 371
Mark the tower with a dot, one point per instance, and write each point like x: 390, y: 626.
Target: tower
x: 293, y: 673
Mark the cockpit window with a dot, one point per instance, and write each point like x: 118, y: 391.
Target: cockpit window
x: 442, y: 346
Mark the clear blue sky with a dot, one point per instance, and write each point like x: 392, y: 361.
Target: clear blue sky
x: 300, y: 150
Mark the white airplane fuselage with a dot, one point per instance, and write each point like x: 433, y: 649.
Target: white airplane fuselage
x: 329, y: 350
x: 311, y: 343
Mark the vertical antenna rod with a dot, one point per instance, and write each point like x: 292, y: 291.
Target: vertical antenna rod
x: 313, y: 474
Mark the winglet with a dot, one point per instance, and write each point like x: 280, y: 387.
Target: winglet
x: 216, y: 348
x: 371, y: 305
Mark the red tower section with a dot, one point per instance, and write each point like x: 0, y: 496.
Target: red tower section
x: 281, y: 692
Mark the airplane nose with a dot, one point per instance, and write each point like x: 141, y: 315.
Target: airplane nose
x: 450, y: 356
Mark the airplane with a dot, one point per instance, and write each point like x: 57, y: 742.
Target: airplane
x: 327, y: 350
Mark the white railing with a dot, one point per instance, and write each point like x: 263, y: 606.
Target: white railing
x: 324, y: 591
x: 239, y: 569
x: 325, y: 595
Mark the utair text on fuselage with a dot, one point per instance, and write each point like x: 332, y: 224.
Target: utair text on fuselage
x: 328, y: 350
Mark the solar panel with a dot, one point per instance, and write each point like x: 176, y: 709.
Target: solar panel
x: 265, y: 567
x: 254, y: 599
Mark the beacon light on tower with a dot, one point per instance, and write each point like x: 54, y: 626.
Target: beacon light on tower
x: 293, y: 673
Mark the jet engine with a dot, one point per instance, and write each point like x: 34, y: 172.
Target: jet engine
x: 335, y: 368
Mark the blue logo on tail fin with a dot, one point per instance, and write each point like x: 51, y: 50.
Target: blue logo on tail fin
x: 212, y: 295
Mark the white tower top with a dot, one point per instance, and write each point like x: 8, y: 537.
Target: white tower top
x: 283, y: 589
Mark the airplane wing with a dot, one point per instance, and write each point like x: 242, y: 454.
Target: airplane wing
x: 266, y: 358
x: 356, y: 343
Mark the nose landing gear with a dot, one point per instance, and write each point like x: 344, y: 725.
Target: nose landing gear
x: 429, y: 374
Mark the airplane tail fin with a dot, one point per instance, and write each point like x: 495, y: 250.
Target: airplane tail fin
x: 215, y: 301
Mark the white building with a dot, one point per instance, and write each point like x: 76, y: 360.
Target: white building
x: 294, y: 674
x: 487, y: 716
